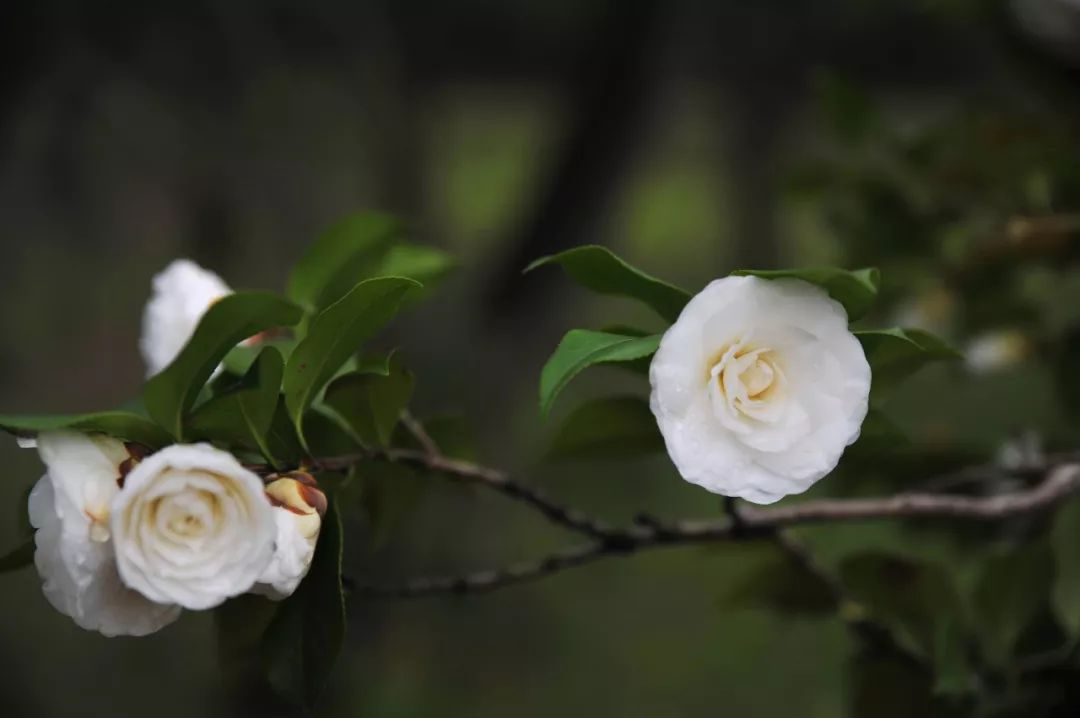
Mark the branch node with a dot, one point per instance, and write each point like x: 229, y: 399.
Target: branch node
x: 619, y: 542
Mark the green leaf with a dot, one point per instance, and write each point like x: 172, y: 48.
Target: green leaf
x: 172, y: 393
x: 1011, y: 589
x: 580, y: 349
x: 239, y: 360
x: 916, y: 601
x: 895, y: 354
x: 878, y: 436
x: 427, y: 265
x: 389, y: 493
x: 1065, y: 542
x: 282, y: 440
x: 303, y: 641
x: 119, y: 424
x: 600, y: 270
x: 614, y: 426
x: 856, y: 290
x: 19, y: 557
x: 371, y: 404
x: 953, y: 672
x: 328, y: 434
x: 634, y: 366
x: 779, y: 583
x: 373, y: 364
x: 336, y: 261
x: 335, y: 335
x: 239, y: 626
x: 245, y: 413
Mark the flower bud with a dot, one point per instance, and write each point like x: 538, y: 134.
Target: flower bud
x: 299, y: 506
x: 300, y: 495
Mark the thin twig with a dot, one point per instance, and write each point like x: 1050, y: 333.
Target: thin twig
x: 494, y: 479
x: 648, y: 534
x: 1060, y: 482
x: 801, y: 557
x: 414, y: 427
x: 483, y: 581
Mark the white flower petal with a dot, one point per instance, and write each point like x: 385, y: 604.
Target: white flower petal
x: 73, y: 553
x: 293, y: 552
x: 759, y: 387
x: 183, y: 292
x: 192, y: 527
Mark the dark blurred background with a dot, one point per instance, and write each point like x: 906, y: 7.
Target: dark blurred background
x: 934, y: 138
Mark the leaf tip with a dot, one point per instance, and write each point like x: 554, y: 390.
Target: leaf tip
x: 539, y: 262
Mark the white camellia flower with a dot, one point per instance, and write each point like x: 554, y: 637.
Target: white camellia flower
x: 298, y: 510
x: 182, y: 294
x: 192, y: 526
x: 758, y: 387
x: 74, y: 554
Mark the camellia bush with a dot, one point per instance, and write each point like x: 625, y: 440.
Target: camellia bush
x: 266, y: 417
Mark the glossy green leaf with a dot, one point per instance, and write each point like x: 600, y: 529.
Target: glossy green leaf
x: 19, y: 557
x: 335, y: 335
x: 342, y: 256
x: 303, y: 641
x: 371, y: 404
x: 1065, y: 543
x: 856, y: 290
x: 894, y: 354
x: 239, y: 360
x: 915, y: 600
x: 634, y: 366
x: 580, y: 349
x: 613, y: 426
x: 245, y: 413
x: 599, y: 269
x: 282, y: 439
x: 328, y: 434
x: 119, y: 424
x: 1011, y: 589
x: 172, y: 393
x: 372, y: 364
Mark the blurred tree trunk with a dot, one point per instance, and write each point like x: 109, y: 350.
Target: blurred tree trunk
x: 610, y: 95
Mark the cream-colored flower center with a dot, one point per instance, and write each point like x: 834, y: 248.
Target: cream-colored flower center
x: 758, y: 377
x: 185, y: 516
x: 747, y: 379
